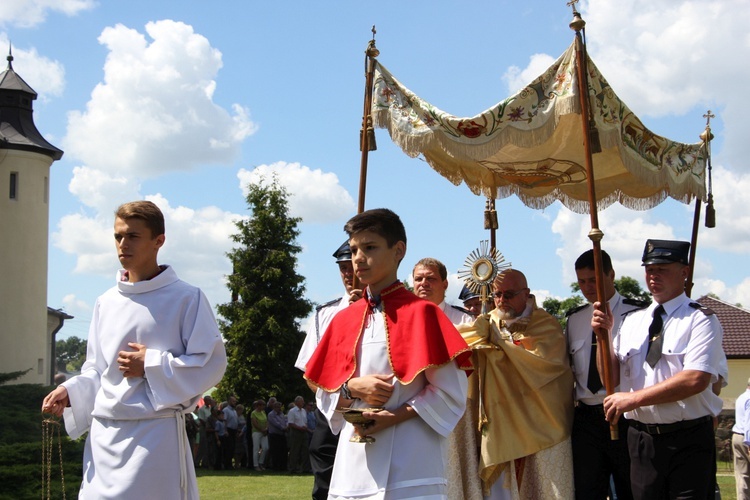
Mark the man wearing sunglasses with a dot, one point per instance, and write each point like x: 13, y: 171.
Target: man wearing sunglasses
x: 525, y: 407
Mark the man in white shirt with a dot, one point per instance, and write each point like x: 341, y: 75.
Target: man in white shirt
x: 298, y: 445
x: 430, y: 282
x: 596, y: 456
x: 668, y: 355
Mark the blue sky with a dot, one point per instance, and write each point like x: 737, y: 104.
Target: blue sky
x: 184, y: 102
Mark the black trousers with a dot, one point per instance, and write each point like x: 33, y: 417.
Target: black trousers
x: 322, y: 453
x: 278, y: 450
x: 596, y: 456
x: 228, y: 452
x: 676, y: 465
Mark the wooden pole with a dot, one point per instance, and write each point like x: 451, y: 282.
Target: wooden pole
x: 706, y: 136
x: 595, y: 235
x: 367, y: 134
x: 693, y: 244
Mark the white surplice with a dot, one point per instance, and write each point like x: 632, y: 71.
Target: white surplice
x: 406, y: 460
x: 137, y: 446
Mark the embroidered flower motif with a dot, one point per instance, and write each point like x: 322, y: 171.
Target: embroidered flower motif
x: 515, y: 114
x: 470, y: 129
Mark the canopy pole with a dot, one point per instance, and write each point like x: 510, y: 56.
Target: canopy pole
x: 693, y: 243
x: 595, y: 235
x: 367, y: 134
x: 706, y: 136
x: 490, y: 221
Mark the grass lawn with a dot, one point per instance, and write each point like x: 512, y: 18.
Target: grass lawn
x: 725, y: 478
x: 220, y: 485
x: 726, y: 485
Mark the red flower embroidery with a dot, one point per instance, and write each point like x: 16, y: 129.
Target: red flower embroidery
x: 470, y: 129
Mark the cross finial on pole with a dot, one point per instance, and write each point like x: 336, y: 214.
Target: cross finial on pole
x: 375, y: 31
x: 572, y: 4
x: 708, y: 117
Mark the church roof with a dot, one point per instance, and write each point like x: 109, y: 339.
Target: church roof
x: 10, y: 80
x: 735, y: 321
x: 17, y: 129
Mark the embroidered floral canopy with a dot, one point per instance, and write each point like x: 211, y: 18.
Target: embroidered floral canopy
x: 531, y: 144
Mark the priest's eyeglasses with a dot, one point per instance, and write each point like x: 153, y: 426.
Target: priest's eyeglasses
x: 508, y: 294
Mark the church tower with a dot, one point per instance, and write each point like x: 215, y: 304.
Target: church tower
x: 25, y: 160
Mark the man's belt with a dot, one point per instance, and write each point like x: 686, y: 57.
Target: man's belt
x: 667, y: 428
x: 590, y: 409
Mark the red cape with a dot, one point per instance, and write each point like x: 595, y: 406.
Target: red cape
x: 418, y: 333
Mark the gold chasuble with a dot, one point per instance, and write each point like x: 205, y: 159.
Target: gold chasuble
x: 524, y: 386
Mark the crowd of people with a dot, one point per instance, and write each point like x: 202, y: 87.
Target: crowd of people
x: 223, y: 437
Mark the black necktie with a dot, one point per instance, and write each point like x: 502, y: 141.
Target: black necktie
x: 594, y: 382
x: 655, y: 337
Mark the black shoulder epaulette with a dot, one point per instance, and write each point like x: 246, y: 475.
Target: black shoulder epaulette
x: 463, y: 310
x: 640, y: 304
x: 575, y: 309
x: 705, y: 310
x: 329, y: 303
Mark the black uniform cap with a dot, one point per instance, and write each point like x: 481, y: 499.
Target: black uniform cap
x: 343, y: 253
x: 467, y: 294
x: 665, y: 252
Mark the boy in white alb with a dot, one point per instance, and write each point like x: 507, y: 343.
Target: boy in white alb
x: 395, y: 350
x: 153, y: 350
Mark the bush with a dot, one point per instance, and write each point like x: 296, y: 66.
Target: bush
x: 21, y: 465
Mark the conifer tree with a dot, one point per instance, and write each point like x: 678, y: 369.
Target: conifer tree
x: 261, y: 325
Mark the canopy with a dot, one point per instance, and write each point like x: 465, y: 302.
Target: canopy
x: 531, y: 144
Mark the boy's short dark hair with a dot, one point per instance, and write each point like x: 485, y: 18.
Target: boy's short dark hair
x: 380, y: 221
x: 586, y: 261
x: 146, y: 211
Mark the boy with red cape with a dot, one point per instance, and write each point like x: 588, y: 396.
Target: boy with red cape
x: 396, y: 351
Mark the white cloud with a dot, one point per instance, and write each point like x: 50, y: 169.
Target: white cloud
x: 75, y: 306
x: 315, y: 196
x: 45, y: 76
x: 154, y: 113
x: 732, y: 231
x: 517, y: 78
x: 625, y: 232
x: 100, y: 190
x: 28, y: 13
x: 90, y: 239
x: 668, y: 57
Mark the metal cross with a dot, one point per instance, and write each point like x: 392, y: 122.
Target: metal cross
x: 708, y: 117
x: 572, y: 4
x: 374, y: 31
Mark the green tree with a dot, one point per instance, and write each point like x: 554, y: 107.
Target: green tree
x: 627, y: 287
x: 70, y: 354
x: 630, y: 288
x: 8, y: 376
x: 261, y: 325
x: 558, y: 308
